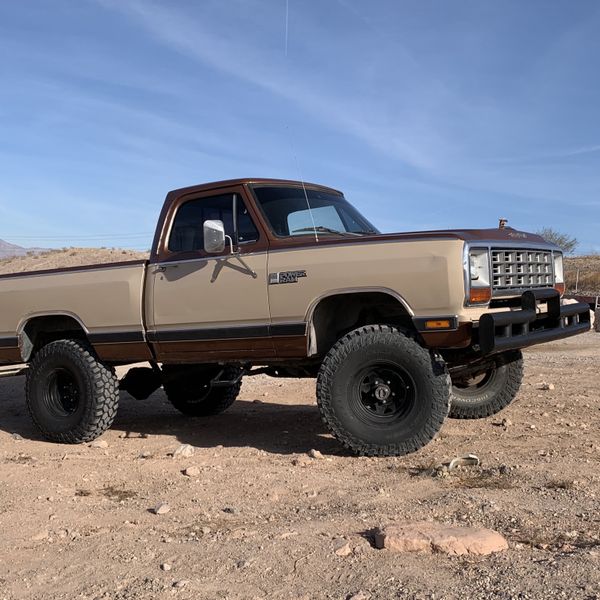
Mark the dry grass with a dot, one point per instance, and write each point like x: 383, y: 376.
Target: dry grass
x: 118, y: 494
x: 589, y: 274
x: 560, y: 484
x: 484, y: 480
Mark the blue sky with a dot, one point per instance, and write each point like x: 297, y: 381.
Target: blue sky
x: 428, y: 114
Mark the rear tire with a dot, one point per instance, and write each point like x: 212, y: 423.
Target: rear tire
x: 71, y: 396
x: 191, y: 393
x: 382, y: 394
x: 490, y: 392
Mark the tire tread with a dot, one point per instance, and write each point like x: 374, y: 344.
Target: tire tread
x: 102, y: 410
x: 357, y: 339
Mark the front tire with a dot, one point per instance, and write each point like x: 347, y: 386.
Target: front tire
x: 382, y: 394
x: 191, y: 393
x: 489, y: 392
x: 71, y: 396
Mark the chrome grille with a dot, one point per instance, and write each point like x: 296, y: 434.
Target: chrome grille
x: 514, y: 269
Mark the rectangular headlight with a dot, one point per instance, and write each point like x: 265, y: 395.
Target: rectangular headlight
x: 478, y: 276
x: 559, y: 273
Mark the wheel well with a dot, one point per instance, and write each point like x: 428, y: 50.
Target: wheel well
x: 336, y: 315
x: 42, y: 330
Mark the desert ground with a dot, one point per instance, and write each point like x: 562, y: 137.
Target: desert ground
x: 260, y: 518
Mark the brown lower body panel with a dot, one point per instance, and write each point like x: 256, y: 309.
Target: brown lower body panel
x: 256, y: 343
x: 199, y: 351
x: 255, y: 350
x: 126, y: 352
x: 10, y: 356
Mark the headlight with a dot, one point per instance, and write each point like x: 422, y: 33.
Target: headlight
x: 559, y: 274
x: 478, y: 276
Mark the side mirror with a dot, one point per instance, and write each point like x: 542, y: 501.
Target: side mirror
x: 214, y: 237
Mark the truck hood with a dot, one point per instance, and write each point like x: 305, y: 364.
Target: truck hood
x: 506, y: 236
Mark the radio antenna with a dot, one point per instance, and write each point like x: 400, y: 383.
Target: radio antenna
x: 312, y: 218
x: 290, y: 137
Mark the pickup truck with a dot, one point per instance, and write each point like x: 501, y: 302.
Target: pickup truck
x: 287, y: 278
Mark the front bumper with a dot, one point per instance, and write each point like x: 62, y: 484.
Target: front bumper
x: 509, y: 330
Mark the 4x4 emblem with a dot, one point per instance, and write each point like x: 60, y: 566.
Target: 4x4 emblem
x: 285, y: 277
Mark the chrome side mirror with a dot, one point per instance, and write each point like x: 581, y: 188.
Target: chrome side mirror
x: 214, y: 237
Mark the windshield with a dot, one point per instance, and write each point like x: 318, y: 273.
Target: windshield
x: 289, y: 213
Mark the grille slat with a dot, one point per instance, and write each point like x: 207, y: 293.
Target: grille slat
x: 521, y: 269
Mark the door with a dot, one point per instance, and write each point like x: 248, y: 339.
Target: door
x: 205, y: 307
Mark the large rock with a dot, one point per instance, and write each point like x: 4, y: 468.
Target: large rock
x: 425, y: 536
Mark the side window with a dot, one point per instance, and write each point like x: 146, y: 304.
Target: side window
x: 187, y: 233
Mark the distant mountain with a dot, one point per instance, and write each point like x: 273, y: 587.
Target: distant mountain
x: 8, y: 250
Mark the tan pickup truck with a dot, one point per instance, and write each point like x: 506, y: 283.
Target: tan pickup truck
x: 287, y: 278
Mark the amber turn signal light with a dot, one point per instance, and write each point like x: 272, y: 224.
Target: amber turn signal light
x: 560, y: 288
x: 440, y: 324
x: 480, y: 295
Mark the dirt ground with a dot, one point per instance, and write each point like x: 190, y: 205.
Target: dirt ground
x: 262, y: 520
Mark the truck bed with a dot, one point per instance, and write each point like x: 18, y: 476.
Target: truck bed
x: 92, y: 295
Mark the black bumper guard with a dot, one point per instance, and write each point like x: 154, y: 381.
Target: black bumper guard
x: 509, y: 330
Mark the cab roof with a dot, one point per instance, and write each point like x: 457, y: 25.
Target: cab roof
x: 252, y: 181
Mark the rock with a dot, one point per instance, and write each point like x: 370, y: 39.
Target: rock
x: 99, y: 444
x: 162, y: 508
x: 230, y: 510
x: 38, y: 537
x: 242, y: 564
x: 545, y: 386
x: 191, y: 472
x: 426, y: 536
x: 185, y: 450
x: 359, y: 596
x: 17, y: 436
x: 315, y: 454
x: 165, y: 567
x: 506, y: 422
x: 180, y: 584
x: 362, y: 547
x: 342, y: 547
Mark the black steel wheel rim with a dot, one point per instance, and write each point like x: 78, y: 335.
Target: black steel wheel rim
x: 383, y: 392
x: 62, y: 393
x: 201, y: 395
x: 475, y: 385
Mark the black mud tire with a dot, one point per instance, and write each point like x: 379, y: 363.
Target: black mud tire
x: 358, y: 368
x: 491, y: 392
x: 192, y: 395
x: 71, y: 396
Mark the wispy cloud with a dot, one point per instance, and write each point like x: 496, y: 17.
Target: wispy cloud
x: 405, y: 137
x: 549, y: 156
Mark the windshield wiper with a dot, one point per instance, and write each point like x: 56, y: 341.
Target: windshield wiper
x: 321, y: 229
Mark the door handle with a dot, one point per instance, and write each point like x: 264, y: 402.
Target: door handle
x: 163, y: 268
